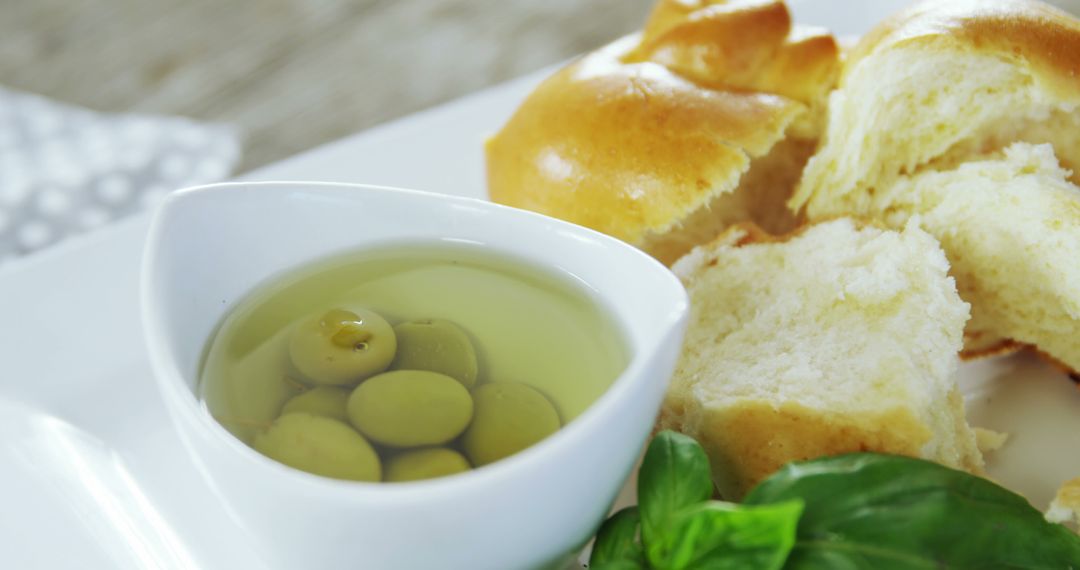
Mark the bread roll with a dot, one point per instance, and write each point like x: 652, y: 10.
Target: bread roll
x: 834, y: 340
x: 946, y: 83
x: 747, y: 46
x: 665, y: 139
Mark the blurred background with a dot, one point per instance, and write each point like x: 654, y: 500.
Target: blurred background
x: 290, y: 74
x: 108, y: 105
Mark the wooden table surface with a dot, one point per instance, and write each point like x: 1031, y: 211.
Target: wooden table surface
x: 291, y: 74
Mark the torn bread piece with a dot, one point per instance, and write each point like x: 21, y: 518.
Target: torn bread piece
x: 839, y: 338
x: 1011, y: 229
x: 940, y: 83
x: 947, y: 83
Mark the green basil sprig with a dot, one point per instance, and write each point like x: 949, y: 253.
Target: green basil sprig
x: 681, y: 529
x: 862, y: 510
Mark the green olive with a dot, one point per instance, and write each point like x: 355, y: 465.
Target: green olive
x: 325, y: 401
x: 321, y: 446
x: 509, y: 417
x: 425, y: 464
x: 436, y: 345
x: 339, y: 347
x: 408, y: 408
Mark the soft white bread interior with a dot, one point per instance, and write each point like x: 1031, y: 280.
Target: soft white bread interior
x: 1011, y: 226
x: 664, y: 139
x: 837, y: 339
x: 939, y: 83
x: 945, y: 83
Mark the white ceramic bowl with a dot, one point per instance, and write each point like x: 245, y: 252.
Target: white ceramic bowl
x: 210, y: 246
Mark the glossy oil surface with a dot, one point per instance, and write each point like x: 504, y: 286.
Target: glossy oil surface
x: 527, y: 326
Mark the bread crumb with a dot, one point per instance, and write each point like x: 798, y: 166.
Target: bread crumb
x: 1065, y: 508
x: 989, y: 440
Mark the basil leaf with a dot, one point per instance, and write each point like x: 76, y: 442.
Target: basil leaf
x: 619, y: 565
x: 673, y: 476
x: 723, y: 536
x: 867, y: 510
x: 616, y: 541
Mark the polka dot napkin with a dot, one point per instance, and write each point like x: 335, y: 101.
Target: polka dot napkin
x: 66, y: 170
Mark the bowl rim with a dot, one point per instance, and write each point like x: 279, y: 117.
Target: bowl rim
x: 183, y: 400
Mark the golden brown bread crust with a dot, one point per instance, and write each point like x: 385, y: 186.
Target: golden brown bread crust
x: 770, y: 437
x: 760, y: 197
x: 620, y: 142
x: 628, y: 148
x: 1000, y: 347
x: 1047, y: 38
x: 718, y: 41
x: 749, y: 46
x: 1061, y: 366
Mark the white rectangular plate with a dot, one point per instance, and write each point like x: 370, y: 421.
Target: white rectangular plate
x: 92, y: 475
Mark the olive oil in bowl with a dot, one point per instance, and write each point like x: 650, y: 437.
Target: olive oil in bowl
x: 408, y: 362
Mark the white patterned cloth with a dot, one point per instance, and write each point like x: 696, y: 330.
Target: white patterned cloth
x: 66, y: 170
